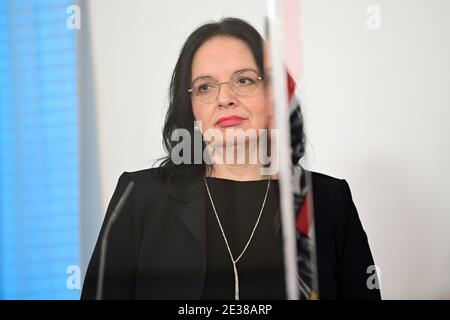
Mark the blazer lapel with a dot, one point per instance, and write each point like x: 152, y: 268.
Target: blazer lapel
x: 192, y: 214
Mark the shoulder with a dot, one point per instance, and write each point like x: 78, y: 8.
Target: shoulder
x: 332, y: 198
x: 145, y: 176
x: 147, y: 182
x: 324, y: 179
x: 328, y: 186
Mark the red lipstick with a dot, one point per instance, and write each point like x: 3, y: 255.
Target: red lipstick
x: 229, y: 121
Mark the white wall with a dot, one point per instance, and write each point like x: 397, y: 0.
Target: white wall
x: 376, y: 103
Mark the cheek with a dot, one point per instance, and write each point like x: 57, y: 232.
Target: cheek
x: 261, y: 112
x: 197, y: 111
x: 201, y: 114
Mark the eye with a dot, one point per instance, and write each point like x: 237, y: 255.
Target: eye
x: 244, y: 81
x: 203, y: 88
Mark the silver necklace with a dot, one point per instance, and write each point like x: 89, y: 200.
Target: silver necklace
x: 234, y: 261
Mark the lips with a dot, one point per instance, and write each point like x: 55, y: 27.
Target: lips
x: 229, y: 121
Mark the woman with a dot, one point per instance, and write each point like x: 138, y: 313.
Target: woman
x: 201, y: 228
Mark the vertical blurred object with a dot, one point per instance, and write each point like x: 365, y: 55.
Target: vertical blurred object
x: 295, y: 183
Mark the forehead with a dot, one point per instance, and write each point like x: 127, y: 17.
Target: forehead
x: 221, y: 56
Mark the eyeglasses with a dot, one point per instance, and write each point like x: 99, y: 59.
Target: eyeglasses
x: 242, y: 83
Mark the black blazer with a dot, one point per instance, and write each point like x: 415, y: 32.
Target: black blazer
x: 156, y: 247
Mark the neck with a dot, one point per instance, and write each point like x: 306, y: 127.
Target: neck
x: 242, y: 172
x: 238, y: 162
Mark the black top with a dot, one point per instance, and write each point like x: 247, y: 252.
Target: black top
x: 158, y: 246
x: 260, y: 269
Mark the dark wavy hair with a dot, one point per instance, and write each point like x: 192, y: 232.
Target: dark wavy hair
x: 179, y: 114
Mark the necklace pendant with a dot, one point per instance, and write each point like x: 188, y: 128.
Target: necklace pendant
x: 236, y: 282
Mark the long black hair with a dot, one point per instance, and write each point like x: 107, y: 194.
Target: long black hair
x: 179, y: 114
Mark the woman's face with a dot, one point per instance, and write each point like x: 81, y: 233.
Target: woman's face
x: 220, y: 58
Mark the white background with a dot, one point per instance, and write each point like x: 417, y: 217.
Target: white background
x: 376, y: 106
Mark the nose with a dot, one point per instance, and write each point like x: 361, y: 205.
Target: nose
x: 225, y: 96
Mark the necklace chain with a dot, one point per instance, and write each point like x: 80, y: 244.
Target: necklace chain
x: 234, y: 261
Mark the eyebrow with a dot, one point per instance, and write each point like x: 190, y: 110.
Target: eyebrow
x: 236, y: 72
